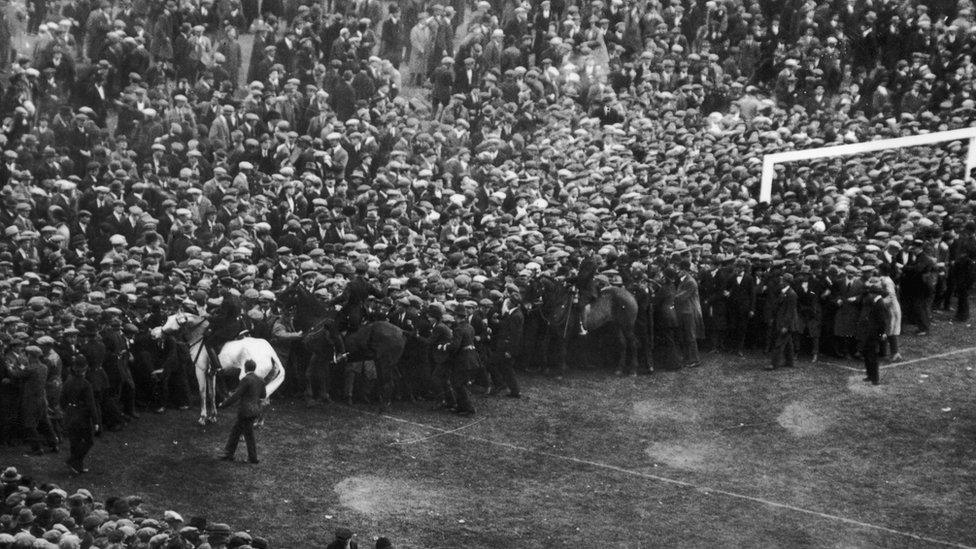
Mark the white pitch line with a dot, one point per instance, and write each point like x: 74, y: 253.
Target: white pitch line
x: 439, y: 434
x: 904, y: 362
x: 677, y: 482
x: 931, y: 357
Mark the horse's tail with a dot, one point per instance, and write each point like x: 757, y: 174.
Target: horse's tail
x: 276, y: 376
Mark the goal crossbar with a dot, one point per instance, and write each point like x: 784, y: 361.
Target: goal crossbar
x: 770, y: 160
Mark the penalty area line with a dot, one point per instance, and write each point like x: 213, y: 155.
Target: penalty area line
x: 671, y: 481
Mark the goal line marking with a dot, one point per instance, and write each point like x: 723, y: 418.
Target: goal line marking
x: 905, y: 362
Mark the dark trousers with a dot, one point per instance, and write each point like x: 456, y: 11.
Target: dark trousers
x: 502, y: 372
x: 783, y: 351
x: 922, y: 306
x: 459, y: 384
x: 172, y: 389
x: 317, y: 374
x: 127, y: 398
x: 40, y: 432
x: 81, y: 440
x: 870, y: 353
x: 738, y: 324
x: 687, y: 341
x: 243, y: 426
x: 665, y: 351
x: 443, y: 385
x: 962, y: 303
x: 108, y: 403
x: 644, y: 341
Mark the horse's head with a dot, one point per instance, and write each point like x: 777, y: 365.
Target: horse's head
x: 173, y: 323
x: 181, y: 321
x: 552, y: 296
x: 323, y: 328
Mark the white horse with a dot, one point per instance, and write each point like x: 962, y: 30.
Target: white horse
x: 232, y: 356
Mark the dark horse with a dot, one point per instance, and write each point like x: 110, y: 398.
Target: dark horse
x: 376, y: 340
x: 614, y: 308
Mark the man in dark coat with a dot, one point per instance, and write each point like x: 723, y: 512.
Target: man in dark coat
x: 93, y: 348
x: 81, y: 418
x: 918, y: 286
x: 343, y: 98
x: 784, y: 323
x: 225, y: 321
x: 507, y: 340
x: 443, y: 82
x: 808, y: 309
x: 414, y: 364
x: 644, y: 324
x: 250, y: 392
x: 688, y: 309
x: 465, y: 365
x: 392, y: 37
x: 438, y: 342
x: 32, y: 373
x: 353, y: 299
x: 117, y: 359
x: 740, y: 298
x: 871, y: 326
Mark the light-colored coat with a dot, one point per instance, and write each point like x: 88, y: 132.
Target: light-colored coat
x: 420, y: 42
x: 688, y: 306
x: 894, y: 308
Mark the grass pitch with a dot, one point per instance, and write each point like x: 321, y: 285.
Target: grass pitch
x: 723, y: 455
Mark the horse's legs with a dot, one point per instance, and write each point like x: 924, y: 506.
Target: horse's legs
x: 631, y: 351
x: 621, y: 350
x: 545, y: 341
x: 212, y: 398
x: 561, y: 343
x: 384, y: 384
x: 204, y: 393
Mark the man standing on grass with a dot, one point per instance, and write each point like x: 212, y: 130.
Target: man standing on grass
x: 81, y: 417
x: 784, y: 323
x: 872, y: 325
x: 507, y: 340
x: 250, y: 392
x: 688, y: 308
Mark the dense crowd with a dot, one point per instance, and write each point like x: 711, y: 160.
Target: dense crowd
x: 436, y: 161
x: 45, y: 516
x: 35, y: 515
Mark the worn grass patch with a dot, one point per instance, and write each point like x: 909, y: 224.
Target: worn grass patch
x: 802, y: 419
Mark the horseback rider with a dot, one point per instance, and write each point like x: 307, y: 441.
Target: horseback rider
x: 587, y: 284
x: 584, y: 280
x: 353, y: 299
x: 225, y: 320
x: 261, y: 318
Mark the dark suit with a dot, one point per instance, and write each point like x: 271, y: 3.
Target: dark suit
x: 507, y: 342
x: 666, y: 324
x: 872, y: 323
x: 80, y: 418
x: 809, y: 312
x: 740, y: 306
x: 466, y: 364
x: 249, y: 393
x: 784, y: 324
x: 440, y: 338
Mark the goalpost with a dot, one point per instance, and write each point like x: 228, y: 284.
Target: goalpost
x: 770, y: 160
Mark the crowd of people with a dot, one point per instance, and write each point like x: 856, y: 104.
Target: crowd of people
x: 43, y: 515
x: 434, y: 161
